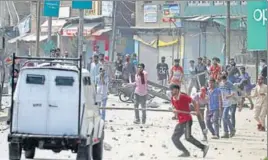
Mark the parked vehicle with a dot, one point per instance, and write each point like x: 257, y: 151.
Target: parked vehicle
x: 51, y: 109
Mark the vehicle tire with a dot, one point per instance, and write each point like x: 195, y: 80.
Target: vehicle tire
x: 83, y: 153
x: 15, y: 151
x: 97, y: 149
x: 123, y: 97
x: 29, y: 154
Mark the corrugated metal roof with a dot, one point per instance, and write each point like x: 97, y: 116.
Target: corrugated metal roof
x: 28, y: 38
x: 199, y: 18
x: 13, y: 40
x: 101, y: 31
x: 32, y: 38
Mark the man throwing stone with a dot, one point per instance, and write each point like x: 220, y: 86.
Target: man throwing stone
x: 181, y: 103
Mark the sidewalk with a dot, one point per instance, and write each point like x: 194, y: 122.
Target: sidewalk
x: 153, y: 140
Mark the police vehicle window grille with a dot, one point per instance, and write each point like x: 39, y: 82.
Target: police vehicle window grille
x: 86, y: 81
x: 35, y: 79
x: 64, y: 81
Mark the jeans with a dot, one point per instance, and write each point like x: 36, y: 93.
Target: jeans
x: 140, y: 100
x: 200, y: 118
x: 232, y: 113
x: 103, y: 105
x: 213, y: 122
x: 227, y: 125
x: 193, y: 83
x: 185, y: 128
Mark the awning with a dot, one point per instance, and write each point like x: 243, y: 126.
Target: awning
x: 236, y: 23
x: 32, y: 38
x: 199, y: 19
x: 28, y: 38
x: 101, y: 31
x: 13, y: 40
x: 56, y: 25
x: 72, y: 29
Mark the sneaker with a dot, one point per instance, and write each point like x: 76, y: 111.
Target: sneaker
x: 205, y: 138
x: 174, y: 118
x: 226, y: 135
x: 215, y: 137
x: 185, y: 154
x: 143, y: 121
x: 262, y: 129
x: 232, y: 134
x: 205, y: 131
x: 137, y: 122
x: 205, y: 151
x: 259, y: 126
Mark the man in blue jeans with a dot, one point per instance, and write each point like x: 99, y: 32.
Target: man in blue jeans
x: 214, y: 109
x: 227, y: 90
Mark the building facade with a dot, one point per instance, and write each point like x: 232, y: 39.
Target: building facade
x: 158, y: 33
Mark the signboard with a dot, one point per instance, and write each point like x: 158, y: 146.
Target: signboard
x: 51, y: 8
x: 78, y: 4
x: 256, y: 25
x: 170, y: 12
x: 150, y: 13
x: 107, y: 8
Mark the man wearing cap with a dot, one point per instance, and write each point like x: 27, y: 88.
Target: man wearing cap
x: 162, y: 72
x: 176, y: 73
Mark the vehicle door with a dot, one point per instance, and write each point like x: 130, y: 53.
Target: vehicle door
x: 31, y: 102
x: 63, y: 103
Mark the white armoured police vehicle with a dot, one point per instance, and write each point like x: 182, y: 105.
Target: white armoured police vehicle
x: 52, y: 108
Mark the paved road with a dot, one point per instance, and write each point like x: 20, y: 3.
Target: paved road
x: 152, y: 141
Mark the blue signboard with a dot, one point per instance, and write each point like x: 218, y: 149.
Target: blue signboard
x: 84, y: 4
x: 51, y: 8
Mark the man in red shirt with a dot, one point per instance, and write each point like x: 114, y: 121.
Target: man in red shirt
x: 181, y: 103
x: 176, y: 73
x: 215, y: 69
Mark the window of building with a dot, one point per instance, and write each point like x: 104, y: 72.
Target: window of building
x: 218, y: 3
x: 170, y: 2
x: 192, y: 3
x: 243, y: 2
x: 203, y: 3
x: 147, y: 2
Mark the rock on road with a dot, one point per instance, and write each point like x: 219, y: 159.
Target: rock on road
x: 153, y: 140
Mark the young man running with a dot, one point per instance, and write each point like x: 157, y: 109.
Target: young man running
x: 181, y: 103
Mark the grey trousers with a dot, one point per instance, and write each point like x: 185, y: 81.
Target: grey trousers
x: 140, y: 100
x: 185, y: 128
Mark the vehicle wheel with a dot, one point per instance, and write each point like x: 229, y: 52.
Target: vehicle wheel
x: 29, y: 153
x: 97, y: 150
x: 123, y: 97
x: 14, y: 151
x: 83, y: 153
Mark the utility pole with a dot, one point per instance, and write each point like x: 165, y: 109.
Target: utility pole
x: 228, y: 33
x: 49, y: 31
x: 80, y: 33
x: 114, y: 29
x: 38, y: 10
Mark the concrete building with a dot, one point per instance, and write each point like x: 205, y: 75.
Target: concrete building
x: 204, y: 24
x: 157, y: 33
